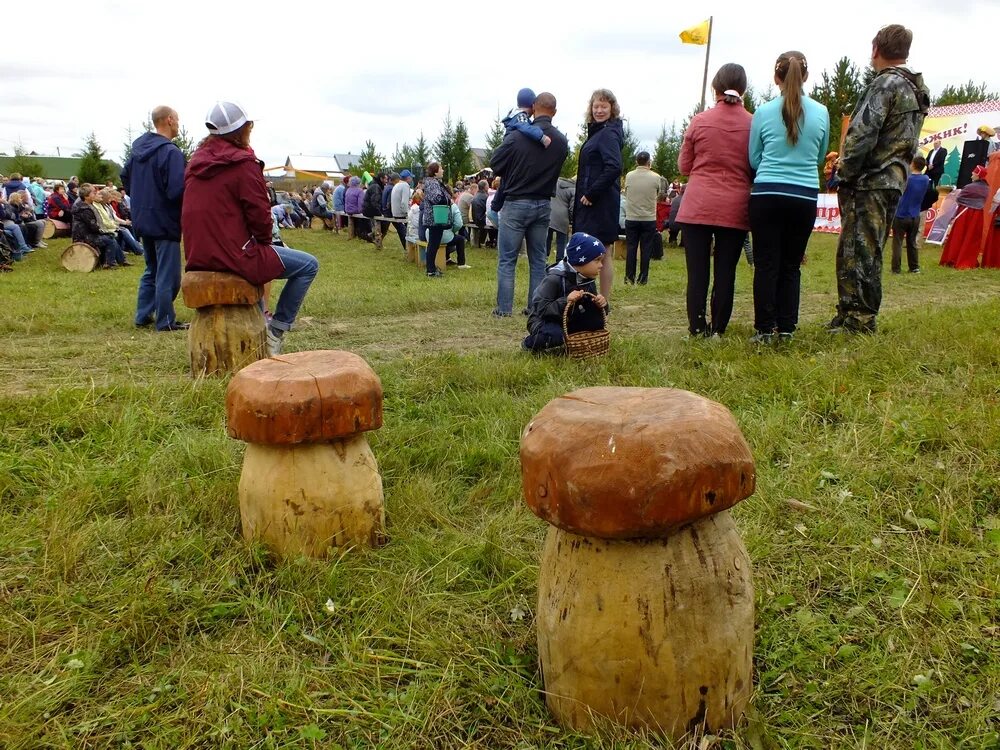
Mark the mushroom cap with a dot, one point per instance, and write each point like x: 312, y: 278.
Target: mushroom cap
x: 207, y: 288
x: 305, y: 397
x: 633, y: 463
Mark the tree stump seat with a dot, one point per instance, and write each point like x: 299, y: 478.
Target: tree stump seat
x: 309, y: 480
x: 228, y: 331
x: 645, y: 600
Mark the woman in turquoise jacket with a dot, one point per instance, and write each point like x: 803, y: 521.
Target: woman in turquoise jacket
x: 788, y: 139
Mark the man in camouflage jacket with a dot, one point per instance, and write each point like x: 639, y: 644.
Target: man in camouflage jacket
x: 880, y: 143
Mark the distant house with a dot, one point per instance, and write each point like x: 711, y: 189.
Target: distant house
x: 304, y: 166
x: 53, y: 167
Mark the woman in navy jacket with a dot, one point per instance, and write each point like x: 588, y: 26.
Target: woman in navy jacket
x: 598, y: 182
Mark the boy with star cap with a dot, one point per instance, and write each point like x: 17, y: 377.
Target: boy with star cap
x: 565, y: 282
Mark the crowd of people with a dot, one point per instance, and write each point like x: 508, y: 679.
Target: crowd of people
x: 747, y: 176
x: 96, y: 214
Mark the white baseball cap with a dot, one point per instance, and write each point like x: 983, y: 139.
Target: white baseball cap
x: 226, y: 117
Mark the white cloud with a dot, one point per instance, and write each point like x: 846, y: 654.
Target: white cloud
x: 324, y: 79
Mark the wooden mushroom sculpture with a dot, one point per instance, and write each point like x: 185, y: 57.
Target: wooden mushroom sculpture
x: 228, y: 331
x: 309, y: 480
x: 645, y: 603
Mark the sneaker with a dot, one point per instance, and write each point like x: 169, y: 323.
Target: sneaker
x: 175, y: 326
x: 498, y: 314
x: 762, y: 338
x: 434, y: 274
x: 451, y: 262
x: 896, y: 272
x: 41, y: 244
x: 274, y: 343
x: 915, y: 270
x: 465, y: 267
x: 784, y: 338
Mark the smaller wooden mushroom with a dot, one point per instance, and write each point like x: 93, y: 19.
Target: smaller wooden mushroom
x: 228, y: 331
x: 645, y: 603
x: 309, y: 479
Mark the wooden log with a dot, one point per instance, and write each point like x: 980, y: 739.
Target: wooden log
x: 207, y: 288
x: 440, y: 259
x: 62, y: 229
x: 49, y: 230
x: 654, y: 634
x: 306, y: 499
x: 80, y: 257
x: 226, y: 338
x: 620, y: 249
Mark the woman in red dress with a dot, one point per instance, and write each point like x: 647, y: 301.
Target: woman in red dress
x: 965, y: 238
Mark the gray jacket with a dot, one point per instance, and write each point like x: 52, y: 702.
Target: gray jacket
x: 561, y: 205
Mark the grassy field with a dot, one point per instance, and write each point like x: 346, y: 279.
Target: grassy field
x: 133, y: 614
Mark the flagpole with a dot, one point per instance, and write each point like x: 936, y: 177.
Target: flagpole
x: 704, y: 79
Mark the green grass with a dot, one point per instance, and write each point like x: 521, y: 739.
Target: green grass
x: 133, y: 614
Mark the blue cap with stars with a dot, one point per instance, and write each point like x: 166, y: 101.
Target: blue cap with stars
x: 583, y: 248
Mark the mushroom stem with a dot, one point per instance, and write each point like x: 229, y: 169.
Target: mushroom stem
x: 651, y: 633
x: 306, y: 498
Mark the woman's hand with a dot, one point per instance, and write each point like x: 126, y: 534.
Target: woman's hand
x: 574, y: 295
x: 585, y: 201
x: 601, y: 302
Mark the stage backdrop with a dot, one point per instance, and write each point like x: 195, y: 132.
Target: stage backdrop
x: 955, y: 125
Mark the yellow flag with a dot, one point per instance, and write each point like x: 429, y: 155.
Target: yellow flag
x: 696, y: 34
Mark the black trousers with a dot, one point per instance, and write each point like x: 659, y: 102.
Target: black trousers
x: 639, y: 236
x: 907, y: 229
x: 699, y: 253
x: 401, y: 231
x: 781, y: 226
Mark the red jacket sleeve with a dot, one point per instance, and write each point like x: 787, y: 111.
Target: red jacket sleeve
x: 255, y: 202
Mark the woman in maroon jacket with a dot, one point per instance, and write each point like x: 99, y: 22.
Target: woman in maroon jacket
x: 226, y: 218
x: 717, y: 199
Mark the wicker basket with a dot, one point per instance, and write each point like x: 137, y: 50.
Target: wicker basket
x: 586, y: 344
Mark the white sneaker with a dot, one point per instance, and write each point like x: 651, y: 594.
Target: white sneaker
x: 273, y: 343
x: 465, y: 267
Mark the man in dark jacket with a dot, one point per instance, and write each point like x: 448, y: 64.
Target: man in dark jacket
x: 529, y: 172
x: 154, y: 177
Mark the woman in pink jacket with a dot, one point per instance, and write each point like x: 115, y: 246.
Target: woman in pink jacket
x: 716, y: 201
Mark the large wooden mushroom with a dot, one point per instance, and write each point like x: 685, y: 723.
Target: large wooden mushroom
x: 309, y: 479
x: 228, y: 331
x: 645, y: 603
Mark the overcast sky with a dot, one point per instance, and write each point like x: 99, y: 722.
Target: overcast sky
x: 322, y: 78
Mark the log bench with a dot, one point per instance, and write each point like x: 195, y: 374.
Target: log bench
x: 80, y: 257
x: 55, y: 228
x: 416, y: 252
x: 228, y: 331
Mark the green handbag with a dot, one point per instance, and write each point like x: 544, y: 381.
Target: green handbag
x: 442, y: 215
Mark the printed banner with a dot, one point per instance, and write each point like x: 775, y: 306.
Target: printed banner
x: 954, y: 126
x: 939, y: 217
x: 827, y: 214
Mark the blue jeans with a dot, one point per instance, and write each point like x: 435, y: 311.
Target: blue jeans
x: 520, y: 220
x: 300, y: 270
x: 13, y: 231
x: 126, y: 239
x: 160, y: 283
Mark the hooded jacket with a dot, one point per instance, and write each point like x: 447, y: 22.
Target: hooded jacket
x: 227, y: 214
x: 373, y: 198
x: 885, y: 127
x: 561, y: 205
x: 354, y: 197
x: 599, y: 177
x: 154, y: 177
x: 549, y: 301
